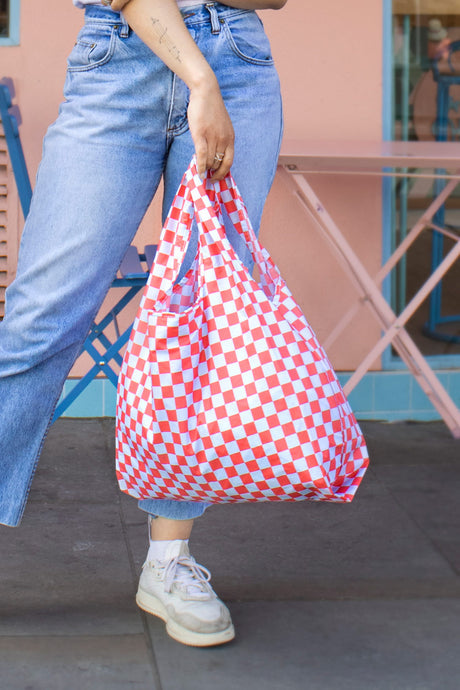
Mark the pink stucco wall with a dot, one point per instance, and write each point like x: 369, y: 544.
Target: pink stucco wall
x: 329, y: 56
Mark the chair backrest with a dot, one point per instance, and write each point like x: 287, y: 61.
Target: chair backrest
x: 13, y: 142
x: 452, y: 77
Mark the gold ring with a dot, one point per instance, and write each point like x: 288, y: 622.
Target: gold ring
x: 219, y: 157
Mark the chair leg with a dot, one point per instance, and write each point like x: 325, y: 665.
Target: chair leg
x: 111, y: 351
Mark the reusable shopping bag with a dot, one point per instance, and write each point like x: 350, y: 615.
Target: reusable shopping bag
x: 225, y: 394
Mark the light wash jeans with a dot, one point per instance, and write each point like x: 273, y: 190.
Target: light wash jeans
x: 121, y: 127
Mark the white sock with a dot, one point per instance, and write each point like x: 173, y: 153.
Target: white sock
x: 157, y: 549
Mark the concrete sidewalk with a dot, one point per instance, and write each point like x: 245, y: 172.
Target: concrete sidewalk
x: 324, y: 597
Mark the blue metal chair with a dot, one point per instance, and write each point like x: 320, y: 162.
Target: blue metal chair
x: 133, y: 271
x: 10, y: 122
x: 444, y: 130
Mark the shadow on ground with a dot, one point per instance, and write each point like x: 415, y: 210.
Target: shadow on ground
x: 364, y: 596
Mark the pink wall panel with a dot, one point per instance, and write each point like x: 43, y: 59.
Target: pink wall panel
x: 329, y: 56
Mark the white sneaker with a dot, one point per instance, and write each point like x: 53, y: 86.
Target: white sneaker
x: 177, y: 590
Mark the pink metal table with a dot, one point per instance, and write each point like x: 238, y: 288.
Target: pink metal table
x: 414, y: 159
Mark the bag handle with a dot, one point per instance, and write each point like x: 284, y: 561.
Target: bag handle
x: 207, y: 201
x: 203, y: 200
x: 174, y: 240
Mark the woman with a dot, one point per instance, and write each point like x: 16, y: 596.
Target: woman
x: 145, y: 88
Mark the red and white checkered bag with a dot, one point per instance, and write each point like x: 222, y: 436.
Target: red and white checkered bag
x: 225, y: 394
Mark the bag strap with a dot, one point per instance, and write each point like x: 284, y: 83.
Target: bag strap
x: 203, y: 200
x: 208, y: 198
x: 172, y: 247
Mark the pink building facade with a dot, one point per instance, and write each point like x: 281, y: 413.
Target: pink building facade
x: 331, y: 57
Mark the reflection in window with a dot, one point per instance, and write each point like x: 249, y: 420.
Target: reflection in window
x: 421, y: 46
x: 4, y: 18
x: 426, y: 56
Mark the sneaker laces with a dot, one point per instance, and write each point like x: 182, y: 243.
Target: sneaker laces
x: 189, y: 576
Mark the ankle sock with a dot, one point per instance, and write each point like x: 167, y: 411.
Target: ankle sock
x: 157, y: 549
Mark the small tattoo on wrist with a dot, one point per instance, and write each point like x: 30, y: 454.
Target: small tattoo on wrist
x: 163, y: 38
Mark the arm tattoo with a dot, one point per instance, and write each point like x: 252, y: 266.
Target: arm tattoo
x: 162, y: 35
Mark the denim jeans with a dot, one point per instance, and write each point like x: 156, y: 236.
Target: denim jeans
x: 122, y: 125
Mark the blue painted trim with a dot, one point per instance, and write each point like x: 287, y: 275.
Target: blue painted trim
x: 387, y: 135
x: 387, y: 105
x: 15, y: 15
x: 391, y: 396
x: 383, y: 395
x: 390, y: 361
x: 97, y: 400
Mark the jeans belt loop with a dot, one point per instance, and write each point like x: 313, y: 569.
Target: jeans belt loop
x: 124, y: 31
x: 215, y: 23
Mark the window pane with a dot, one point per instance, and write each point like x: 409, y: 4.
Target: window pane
x: 425, y: 33
x: 422, y: 33
x: 4, y: 17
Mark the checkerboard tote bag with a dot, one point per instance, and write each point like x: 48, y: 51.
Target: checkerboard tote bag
x: 225, y: 394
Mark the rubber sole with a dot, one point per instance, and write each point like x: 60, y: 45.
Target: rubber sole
x: 148, y: 602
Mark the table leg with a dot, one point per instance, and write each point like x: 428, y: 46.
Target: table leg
x: 421, y: 224
x: 394, y: 326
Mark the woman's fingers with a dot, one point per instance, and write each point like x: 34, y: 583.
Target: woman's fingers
x: 211, y: 130
x: 223, y: 160
x: 201, y: 151
x: 218, y: 159
x: 211, y: 154
x: 116, y: 5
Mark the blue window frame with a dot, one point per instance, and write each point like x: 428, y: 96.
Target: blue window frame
x: 9, y: 22
x: 390, y: 360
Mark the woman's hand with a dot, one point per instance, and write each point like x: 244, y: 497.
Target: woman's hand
x: 160, y: 25
x: 211, y: 129
x: 256, y: 4
x: 116, y: 5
